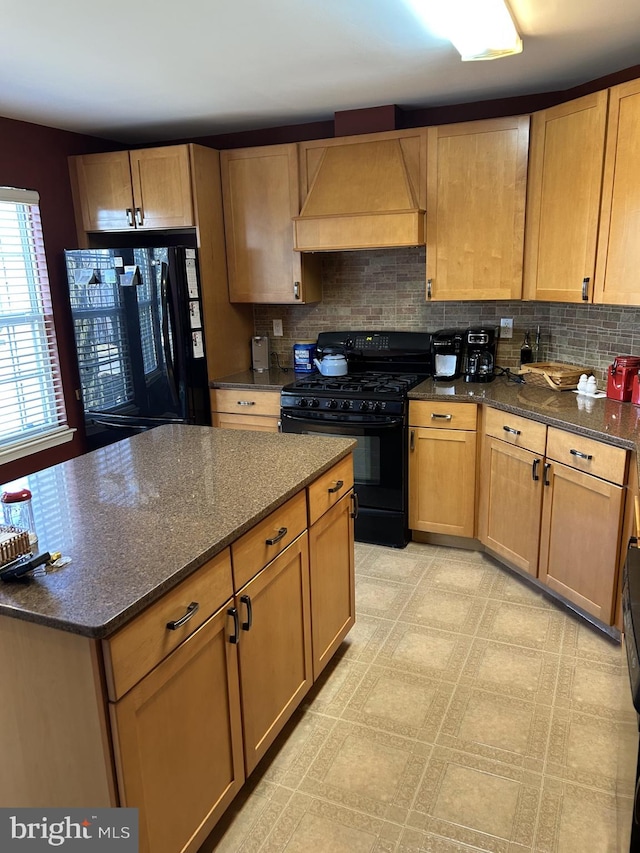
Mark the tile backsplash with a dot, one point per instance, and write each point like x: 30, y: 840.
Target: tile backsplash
x: 385, y: 289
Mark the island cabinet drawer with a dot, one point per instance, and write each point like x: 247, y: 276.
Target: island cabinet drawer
x: 522, y: 432
x: 241, y: 402
x: 443, y: 415
x: 329, y: 488
x: 251, y: 552
x: 588, y: 455
x: 141, y: 644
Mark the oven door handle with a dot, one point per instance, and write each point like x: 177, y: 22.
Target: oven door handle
x: 391, y: 424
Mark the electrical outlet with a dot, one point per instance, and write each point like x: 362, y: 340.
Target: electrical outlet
x: 506, y: 327
x: 277, y: 328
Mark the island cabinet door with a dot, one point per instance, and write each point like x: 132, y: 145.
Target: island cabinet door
x: 274, y: 646
x: 331, y: 565
x: 178, y: 740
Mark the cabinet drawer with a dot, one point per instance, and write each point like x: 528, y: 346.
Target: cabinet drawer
x: 261, y: 423
x: 266, y: 540
x: 441, y: 415
x: 135, y: 649
x: 588, y: 455
x: 329, y: 488
x: 241, y: 402
x: 522, y: 432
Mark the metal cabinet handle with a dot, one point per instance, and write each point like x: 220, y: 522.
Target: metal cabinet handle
x: 130, y: 221
x: 437, y: 417
x: 236, y: 627
x: 296, y: 290
x: 412, y: 441
x: 581, y: 455
x: 534, y: 469
x: 275, y: 539
x: 139, y: 216
x: 192, y: 609
x: 547, y: 468
x: 245, y: 402
x: 356, y: 505
x: 585, y: 289
x: 511, y: 430
x: 429, y: 283
x: 339, y: 484
x: 246, y: 626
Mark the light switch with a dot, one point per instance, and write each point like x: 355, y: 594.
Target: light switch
x: 277, y: 328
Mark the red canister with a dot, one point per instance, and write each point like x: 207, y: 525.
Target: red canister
x: 620, y: 377
x: 635, y: 390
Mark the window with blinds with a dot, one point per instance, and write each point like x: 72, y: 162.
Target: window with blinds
x: 32, y: 411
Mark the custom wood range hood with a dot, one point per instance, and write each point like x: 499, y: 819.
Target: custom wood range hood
x: 362, y: 192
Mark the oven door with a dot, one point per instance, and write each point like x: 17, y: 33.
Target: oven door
x: 380, y: 466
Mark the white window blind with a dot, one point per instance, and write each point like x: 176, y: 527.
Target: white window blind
x: 32, y: 412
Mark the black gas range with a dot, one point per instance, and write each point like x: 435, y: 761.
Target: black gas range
x: 369, y: 404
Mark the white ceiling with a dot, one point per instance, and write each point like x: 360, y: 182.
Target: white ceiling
x: 151, y: 70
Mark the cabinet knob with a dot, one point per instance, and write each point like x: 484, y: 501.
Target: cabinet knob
x: 581, y: 455
x: 435, y: 417
x: 511, y: 430
x: 356, y: 505
x: 130, y: 221
x: 339, y: 484
x: 139, y: 216
x: 246, y: 600
x: 585, y: 289
x: 296, y: 290
x: 236, y: 625
x: 429, y: 283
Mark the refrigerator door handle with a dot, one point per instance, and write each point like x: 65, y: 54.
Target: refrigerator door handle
x: 168, y: 355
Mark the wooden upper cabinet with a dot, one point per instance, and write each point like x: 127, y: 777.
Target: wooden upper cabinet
x: 260, y: 195
x: 476, y: 188
x: 361, y: 192
x: 619, y: 236
x: 563, y: 202
x: 126, y: 190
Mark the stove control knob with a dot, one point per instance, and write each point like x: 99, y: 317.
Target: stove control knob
x: 333, y: 404
x: 364, y: 406
x: 346, y: 404
x: 314, y: 403
x: 377, y: 407
x: 302, y: 403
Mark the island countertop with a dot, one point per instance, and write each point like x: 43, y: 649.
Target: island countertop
x: 138, y: 516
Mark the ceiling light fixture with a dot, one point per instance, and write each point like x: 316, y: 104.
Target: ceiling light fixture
x: 478, y: 29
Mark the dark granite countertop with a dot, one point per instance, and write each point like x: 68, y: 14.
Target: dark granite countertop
x: 140, y: 515
x: 270, y: 380
x: 599, y: 418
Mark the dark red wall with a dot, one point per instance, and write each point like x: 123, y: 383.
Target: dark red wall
x: 35, y: 157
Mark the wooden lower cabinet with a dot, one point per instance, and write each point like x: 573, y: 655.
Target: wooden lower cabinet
x: 442, y: 478
x: 510, y: 503
x: 245, y: 409
x: 178, y: 740
x: 580, y: 538
x: 274, y: 611
x: 333, y: 606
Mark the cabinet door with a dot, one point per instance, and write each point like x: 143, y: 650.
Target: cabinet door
x: 331, y: 565
x: 260, y: 196
x: 442, y: 477
x: 511, y: 503
x: 618, y: 244
x: 563, y: 201
x: 275, y: 647
x: 161, y: 180
x: 104, y: 190
x: 178, y: 744
x: 476, y: 186
x: 580, y: 536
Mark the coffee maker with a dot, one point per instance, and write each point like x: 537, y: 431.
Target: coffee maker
x: 480, y: 354
x: 447, y: 346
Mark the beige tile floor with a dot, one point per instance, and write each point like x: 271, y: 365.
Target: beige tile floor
x: 465, y: 711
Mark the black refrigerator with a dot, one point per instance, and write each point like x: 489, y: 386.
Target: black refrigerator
x: 139, y: 334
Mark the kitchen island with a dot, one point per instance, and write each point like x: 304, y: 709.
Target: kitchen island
x: 158, y: 666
